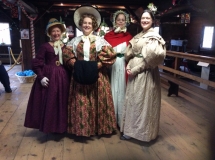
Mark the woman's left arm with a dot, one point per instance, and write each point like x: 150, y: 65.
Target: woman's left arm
x: 154, y: 52
x: 68, y: 56
x: 106, y: 56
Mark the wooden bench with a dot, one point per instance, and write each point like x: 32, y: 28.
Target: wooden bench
x: 194, y: 91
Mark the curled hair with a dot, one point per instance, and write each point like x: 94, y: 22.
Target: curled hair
x: 94, y: 20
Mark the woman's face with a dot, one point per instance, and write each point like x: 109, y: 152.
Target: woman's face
x: 121, y: 21
x: 146, y: 21
x: 87, y: 26
x: 55, y: 34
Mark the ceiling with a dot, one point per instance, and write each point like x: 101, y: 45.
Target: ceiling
x: 107, y: 7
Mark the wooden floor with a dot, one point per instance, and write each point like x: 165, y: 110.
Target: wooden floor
x: 183, y: 135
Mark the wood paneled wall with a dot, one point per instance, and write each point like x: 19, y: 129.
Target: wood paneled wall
x: 192, y: 32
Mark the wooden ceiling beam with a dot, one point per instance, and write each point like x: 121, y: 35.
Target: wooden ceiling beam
x: 130, y: 11
x: 29, y: 9
x: 46, y: 11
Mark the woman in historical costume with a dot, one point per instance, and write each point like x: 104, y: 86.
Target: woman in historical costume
x: 141, y: 112
x: 119, y: 39
x: 91, y: 109
x: 47, y: 106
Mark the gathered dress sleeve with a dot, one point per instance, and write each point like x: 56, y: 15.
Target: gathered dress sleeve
x: 153, y: 54
x: 39, y: 61
x: 128, y: 54
x: 107, y: 55
x: 68, y: 57
x: 155, y: 51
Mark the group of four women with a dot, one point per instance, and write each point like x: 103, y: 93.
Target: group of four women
x: 93, y: 104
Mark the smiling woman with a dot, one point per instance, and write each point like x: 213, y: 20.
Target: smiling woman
x: 140, y: 119
x: 47, y: 105
x: 88, y: 57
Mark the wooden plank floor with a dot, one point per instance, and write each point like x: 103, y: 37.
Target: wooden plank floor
x: 183, y: 135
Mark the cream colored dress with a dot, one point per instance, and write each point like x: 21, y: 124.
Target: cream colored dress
x: 141, y: 112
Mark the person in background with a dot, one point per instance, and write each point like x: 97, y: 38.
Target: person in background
x: 4, y: 79
x: 91, y: 109
x: 47, y: 106
x: 141, y: 113
x: 119, y: 39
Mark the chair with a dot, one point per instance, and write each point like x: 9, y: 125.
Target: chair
x: 184, y: 63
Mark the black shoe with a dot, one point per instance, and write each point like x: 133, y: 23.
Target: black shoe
x: 124, y: 137
x: 8, y: 90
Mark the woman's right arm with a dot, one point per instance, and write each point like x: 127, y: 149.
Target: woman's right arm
x: 39, y: 61
x: 68, y: 57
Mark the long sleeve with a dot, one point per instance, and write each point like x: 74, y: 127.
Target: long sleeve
x: 68, y: 57
x: 107, y: 56
x: 155, y: 52
x: 128, y: 52
x: 39, y: 61
x: 147, y: 52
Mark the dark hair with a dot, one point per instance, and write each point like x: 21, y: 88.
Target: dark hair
x: 94, y: 20
x: 151, y: 14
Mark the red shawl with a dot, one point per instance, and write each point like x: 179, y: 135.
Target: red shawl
x: 117, y: 38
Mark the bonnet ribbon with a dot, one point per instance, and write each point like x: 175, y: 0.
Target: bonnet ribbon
x: 86, y: 46
x: 118, y: 30
x: 58, y: 50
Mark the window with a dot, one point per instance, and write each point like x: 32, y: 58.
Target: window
x: 5, y: 34
x: 208, y: 37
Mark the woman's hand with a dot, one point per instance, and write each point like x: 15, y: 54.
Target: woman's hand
x: 72, y: 61
x: 129, y: 72
x: 99, y: 64
x: 45, y: 82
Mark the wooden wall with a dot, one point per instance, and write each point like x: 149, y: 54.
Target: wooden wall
x: 39, y: 33
x: 172, y: 30
x: 193, y: 31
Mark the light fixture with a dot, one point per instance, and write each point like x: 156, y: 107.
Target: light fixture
x: 61, y: 4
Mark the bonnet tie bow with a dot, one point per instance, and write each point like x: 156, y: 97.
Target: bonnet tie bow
x: 58, y: 50
x: 86, y: 46
x: 118, y: 30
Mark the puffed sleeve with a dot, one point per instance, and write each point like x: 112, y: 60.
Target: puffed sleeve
x: 107, y: 56
x: 39, y: 61
x: 128, y: 52
x: 153, y: 54
x: 68, y: 57
x: 155, y: 51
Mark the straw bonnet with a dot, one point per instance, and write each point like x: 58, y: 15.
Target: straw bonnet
x: 53, y: 22
x: 127, y: 18
x: 86, y: 10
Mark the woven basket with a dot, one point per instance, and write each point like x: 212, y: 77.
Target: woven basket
x: 26, y: 79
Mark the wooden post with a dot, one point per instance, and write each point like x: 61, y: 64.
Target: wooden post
x: 26, y: 43
x: 176, y: 65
